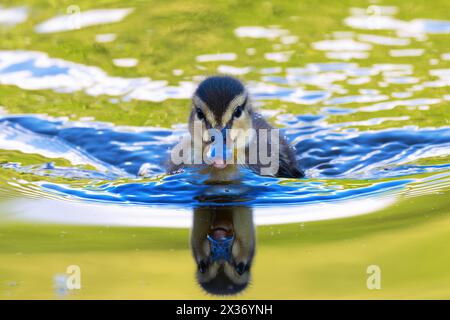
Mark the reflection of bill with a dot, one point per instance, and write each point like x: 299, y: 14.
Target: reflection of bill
x: 223, y: 245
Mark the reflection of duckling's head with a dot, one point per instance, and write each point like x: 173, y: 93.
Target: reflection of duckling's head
x: 223, y: 244
x: 221, y: 108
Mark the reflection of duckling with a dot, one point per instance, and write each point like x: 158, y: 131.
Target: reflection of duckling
x: 222, y: 104
x: 223, y: 245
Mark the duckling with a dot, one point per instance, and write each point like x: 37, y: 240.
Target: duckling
x: 228, y: 134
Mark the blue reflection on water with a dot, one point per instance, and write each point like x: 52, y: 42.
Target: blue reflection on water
x: 436, y: 26
x: 373, y: 161
x: 35, y: 70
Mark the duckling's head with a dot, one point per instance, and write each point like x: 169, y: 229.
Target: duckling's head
x: 221, y: 108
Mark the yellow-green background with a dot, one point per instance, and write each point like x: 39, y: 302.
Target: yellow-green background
x: 409, y: 240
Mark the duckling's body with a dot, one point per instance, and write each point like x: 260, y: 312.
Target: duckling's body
x: 221, y: 110
x: 288, y: 166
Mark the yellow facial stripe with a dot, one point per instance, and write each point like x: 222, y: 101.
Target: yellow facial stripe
x: 236, y: 102
x: 206, y: 111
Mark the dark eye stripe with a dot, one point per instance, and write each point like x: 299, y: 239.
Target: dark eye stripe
x: 242, y: 106
x: 237, y: 112
x: 200, y: 113
x: 245, y: 102
x: 201, y: 116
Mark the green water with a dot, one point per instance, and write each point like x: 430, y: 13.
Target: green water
x: 408, y: 240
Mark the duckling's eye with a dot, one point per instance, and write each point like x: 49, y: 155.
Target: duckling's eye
x: 202, y: 266
x: 241, y: 268
x: 200, y: 114
x: 238, y: 112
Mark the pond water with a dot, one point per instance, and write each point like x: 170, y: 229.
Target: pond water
x: 373, y: 162
x: 368, y: 116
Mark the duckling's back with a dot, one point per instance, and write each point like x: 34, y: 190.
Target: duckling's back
x: 288, y: 166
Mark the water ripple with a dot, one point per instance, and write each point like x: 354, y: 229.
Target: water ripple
x: 373, y: 162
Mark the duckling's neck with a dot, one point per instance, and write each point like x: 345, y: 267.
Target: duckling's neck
x: 229, y: 173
